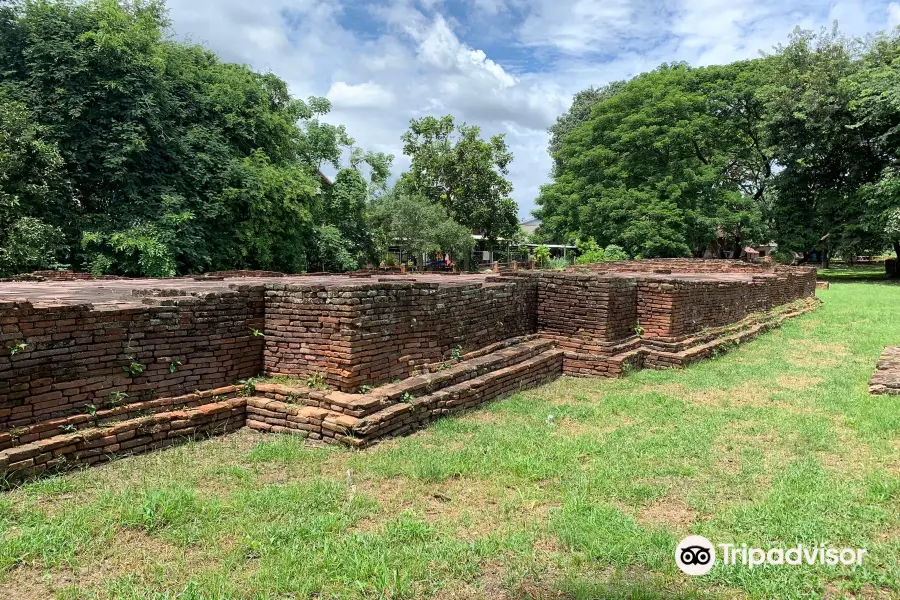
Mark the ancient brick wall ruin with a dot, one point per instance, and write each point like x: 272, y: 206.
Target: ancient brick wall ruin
x: 370, y: 333
x: 90, y: 368
x: 75, y: 356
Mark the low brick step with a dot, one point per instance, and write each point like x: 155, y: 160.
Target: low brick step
x: 403, y: 417
x: 133, y: 436
x: 265, y: 414
x: 443, y: 365
x: 361, y: 405
x: 51, y: 427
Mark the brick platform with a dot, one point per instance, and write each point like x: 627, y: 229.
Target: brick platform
x: 886, y: 379
x: 78, y: 355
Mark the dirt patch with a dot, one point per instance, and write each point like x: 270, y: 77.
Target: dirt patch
x: 746, y: 394
x: 806, y: 353
x: 669, y: 511
x: 798, y: 382
x: 467, y: 508
x: 129, y: 552
x: 498, y: 581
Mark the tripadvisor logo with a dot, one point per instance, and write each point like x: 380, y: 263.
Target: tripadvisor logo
x: 696, y: 555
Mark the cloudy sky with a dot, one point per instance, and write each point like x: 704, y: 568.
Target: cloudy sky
x: 509, y: 66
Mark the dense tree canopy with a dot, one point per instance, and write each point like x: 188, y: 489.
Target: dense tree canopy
x: 452, y: 166
x: 796, y: 147
x: 124, y: 152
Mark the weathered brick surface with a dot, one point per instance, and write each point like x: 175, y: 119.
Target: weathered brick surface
x: 509, y: 332
x: 76, y: 356
x: 134, y: 436
x: 886, y: 379
x: 370, y: 333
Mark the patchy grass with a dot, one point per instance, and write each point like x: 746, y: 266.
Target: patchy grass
x: 774, y: 444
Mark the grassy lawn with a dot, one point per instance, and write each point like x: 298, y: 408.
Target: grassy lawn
x: 774, y: 444
x: 847, y: 273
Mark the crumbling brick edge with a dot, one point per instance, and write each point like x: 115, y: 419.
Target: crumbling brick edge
x: 886, y: 378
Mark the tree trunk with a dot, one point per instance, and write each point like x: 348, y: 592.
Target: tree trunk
x: 895, y: 274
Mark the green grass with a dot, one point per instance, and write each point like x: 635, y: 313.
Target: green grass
x: 847, y: 273
x: 774, y: 444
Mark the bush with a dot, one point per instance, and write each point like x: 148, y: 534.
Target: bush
x: 559, y: 263
x: 542, y: 255
x: 783, y: 257
x: 591, y: 252
x: 31, y: 245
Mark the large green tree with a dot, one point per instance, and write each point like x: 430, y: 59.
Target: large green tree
x: 668, y: 164
x: 171, y: 161
x: 454, y: 167
x: 825, y: 153
x: 418, y: 225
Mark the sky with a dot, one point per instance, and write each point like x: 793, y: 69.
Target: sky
x: 508, y: 66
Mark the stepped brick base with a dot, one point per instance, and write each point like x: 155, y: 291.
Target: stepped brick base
x: 667, y: 353
x: 83, y: 363
x: 886, y: 379
x: 132, y: 436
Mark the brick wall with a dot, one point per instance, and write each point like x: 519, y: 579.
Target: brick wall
x: 369, y: 333
x: 586, y: 312
x: 76, y: 356
x: 355, y: 331
x: 677, y: 307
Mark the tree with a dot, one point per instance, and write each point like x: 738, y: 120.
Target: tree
x: 32, y: 194
x: 668, y: 164
x: 417, y: 225
x: 875, y: 89
x: 580, y: 111
x: 453, y: 167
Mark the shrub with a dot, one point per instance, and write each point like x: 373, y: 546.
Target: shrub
x: 591, y: 252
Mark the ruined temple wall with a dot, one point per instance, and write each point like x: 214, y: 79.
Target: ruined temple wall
x: 585, y: 312
x: 673, y: 308
x: 367, y: 334
x: 75, y: 355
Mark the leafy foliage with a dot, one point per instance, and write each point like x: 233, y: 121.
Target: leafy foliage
x: 452, y: 166
x: 591, y: 252
x: 152, y: 157
x: 417, y: 225
x: 798, y: 147
x: 653, y: 169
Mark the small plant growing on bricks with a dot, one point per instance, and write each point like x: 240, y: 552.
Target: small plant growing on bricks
x: 135, y: 369
x: 117, y: 399
x: 248, y: 386
x: 316, y: 381
x: 17, y: 348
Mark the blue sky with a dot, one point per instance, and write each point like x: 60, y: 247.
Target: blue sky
x: 509, y: 66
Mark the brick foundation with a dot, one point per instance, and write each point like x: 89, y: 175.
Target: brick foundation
x: 85, y: 363
x: 886, y: 379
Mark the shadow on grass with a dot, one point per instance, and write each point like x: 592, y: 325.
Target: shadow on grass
x: 857, y: 274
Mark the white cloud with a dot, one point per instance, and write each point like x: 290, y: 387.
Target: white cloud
x: 893, y: 15
x: 385, y: 62
x: 364, y: 95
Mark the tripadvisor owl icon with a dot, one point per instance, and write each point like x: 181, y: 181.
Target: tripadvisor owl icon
x: 695, y: 555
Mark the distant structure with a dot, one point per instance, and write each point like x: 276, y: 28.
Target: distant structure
x: 530, y: 226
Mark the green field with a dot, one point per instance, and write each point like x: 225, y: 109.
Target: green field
x: 578, y: 489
